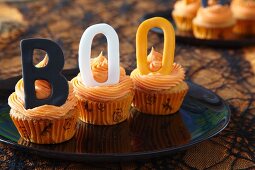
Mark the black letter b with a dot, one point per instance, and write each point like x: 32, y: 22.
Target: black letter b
x: 51, y: 73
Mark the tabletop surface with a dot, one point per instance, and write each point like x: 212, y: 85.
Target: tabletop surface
x: 228, y: 72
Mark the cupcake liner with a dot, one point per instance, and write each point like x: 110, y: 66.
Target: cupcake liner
x: 183, y: 23
x: 45, y: 131
x: 212, y: 33
x: 158, y: 103
x: 245, y: 27
x: 105, y: 113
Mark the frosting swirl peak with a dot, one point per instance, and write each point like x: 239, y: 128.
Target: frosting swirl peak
x: 154, y: 60
x: 99, y: 67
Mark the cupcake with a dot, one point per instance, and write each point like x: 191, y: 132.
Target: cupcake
x: 214, y: 21
x: 158, y: 82
x: 107, y: 104
x: 244, y: 14
x: 159, y: 94
x: 184, y: 12
x: 103, y: 89
x: 45, y: 124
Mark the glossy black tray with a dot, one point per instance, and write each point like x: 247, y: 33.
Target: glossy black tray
x: 202, y: 115
x: 187, y: 37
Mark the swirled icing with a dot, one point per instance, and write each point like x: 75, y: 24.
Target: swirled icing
x: 42, y: 90
x: 99, y: 67
x: 243, y: 9
x: 158, y: 81
x: 214, y: 16
x: 187, y: 9
x: 154, y: 60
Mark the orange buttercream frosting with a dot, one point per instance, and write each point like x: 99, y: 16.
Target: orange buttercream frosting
x: 187, y: 8
x: 215, y: 16
x: 99, y: 67
x: 158, y: 81
x: 154, y: 60
x: 42, y: 90
x: 243, y: 9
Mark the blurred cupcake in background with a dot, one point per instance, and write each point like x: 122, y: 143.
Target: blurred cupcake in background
x: 184, y: 12
x: 213, y: 21
x: 12, y: 24
x: 244, y: 13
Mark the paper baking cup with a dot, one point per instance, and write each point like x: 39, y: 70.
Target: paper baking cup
x: 158, y: 103
x: 105, y: 113
x: 212, y: 33
x: 183, y: 23
x: 245, y: 27
x: 45, y: 131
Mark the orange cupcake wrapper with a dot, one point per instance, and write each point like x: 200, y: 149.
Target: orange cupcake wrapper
x: 158, y: 103
x: 43, y: 131
x: 212, y: 33
x: 245, y: 27
x: 183, y: 23
x: 105, y: 113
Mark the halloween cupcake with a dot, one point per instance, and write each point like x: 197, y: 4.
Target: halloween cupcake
x: 158, y: 82
x: 213, y: 22
x: 244, y: 13
x: 103, y: 89
x: 46, y: 124
x: 184, y: 12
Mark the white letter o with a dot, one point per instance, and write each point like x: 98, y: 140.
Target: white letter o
x: 113, y: 55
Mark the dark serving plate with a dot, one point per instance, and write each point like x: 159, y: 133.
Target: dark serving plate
x: 202, y: 116
x: 187, y: 37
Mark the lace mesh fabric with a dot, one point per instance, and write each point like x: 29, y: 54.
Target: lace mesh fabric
x: 229, y: 73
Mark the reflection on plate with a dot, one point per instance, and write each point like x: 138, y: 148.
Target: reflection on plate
x: 187, y: 37
x: 103, y: 139
x: 146, y: 131
x: 202, y: 115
